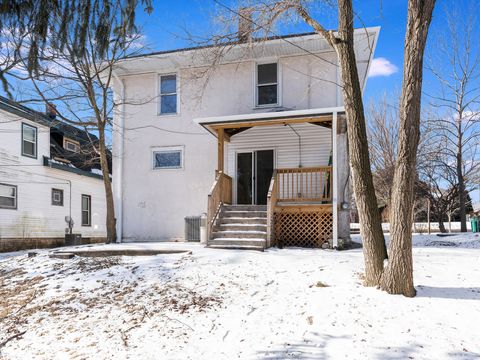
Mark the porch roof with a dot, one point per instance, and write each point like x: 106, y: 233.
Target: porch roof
x: 234, y: 124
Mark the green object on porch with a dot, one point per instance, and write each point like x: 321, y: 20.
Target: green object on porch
x: 474, y: 224
x: 326, y: 188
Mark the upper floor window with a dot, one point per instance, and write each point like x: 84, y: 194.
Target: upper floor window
x: 267, y: 84
x: 168, y: 94
x: 71, y: 145
x: 29, y: 140
x: 8, y: 196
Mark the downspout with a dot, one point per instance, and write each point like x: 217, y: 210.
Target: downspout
x: 119, y: 176
x: 335, y: 182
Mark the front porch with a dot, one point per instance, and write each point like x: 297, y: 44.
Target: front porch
x: 264, y: 204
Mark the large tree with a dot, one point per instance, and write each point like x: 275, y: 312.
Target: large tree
x: 79, y: 82
x: 398, y: 275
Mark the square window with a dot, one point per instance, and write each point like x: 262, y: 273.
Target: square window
x: 267, y: 94
x: 168, y: 158
x: 169, y: 104
x: 57, y: 197
x: 168, y: 94
x: 8, y: 196
x: 29, y: 140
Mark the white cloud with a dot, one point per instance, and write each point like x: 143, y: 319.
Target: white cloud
x: 382, y: 67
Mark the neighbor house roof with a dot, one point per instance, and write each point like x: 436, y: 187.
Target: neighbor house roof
x: 83, y: 161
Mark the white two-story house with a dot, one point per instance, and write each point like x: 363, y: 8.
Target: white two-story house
x: 256, y: 142
x: 47, y: 176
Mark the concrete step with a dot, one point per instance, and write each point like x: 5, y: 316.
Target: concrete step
x: 238, y: 242
x: 243, y: 220
x: 236, y: 247
x: 244, y: 214
x: 245, y: 207
x: 237, y: 234
x: 242, y: 227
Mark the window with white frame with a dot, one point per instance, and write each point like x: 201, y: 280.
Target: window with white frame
x: 267, y: 84
x: 168, y: 94
x: 86, y: 210
x: 8, y: 196
x: 168, y: 157
x: 71, y: 145
x: 57, y: 197
x: 29, y: 140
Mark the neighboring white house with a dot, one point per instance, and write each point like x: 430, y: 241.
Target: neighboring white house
x: 45, y: 176
x: 264, y: 127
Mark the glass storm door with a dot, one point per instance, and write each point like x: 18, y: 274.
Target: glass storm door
x: 254, y: 172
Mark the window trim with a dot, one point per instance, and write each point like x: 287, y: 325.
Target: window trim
x: 159, y: 91
x: 158, y: 149
x: 89, y: 210
x: 278, y: 83
x: 62, y: 202
x: 36, y: 141
x: 16, y: 198
x: 68, y: 140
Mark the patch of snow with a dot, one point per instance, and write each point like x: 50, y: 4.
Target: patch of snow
x: 232, y: 304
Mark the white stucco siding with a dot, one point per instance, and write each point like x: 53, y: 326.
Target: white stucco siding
x: 309, y: 81
x: 158, y: 200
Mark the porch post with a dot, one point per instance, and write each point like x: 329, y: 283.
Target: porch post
x: 221, y: 152
x: 335, y: 181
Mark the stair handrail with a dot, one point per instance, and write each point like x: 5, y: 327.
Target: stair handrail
x: 220, y: 193
x: 271, y: 204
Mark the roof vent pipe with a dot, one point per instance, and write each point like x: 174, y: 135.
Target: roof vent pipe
x: 245, y: 24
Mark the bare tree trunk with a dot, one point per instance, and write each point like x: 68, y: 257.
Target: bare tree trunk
x: 461, y: 182
x: 398, y: 275
x: 110, y: 221
x: 369, y: 215
x: 441, y: 224
x: 374, y: 248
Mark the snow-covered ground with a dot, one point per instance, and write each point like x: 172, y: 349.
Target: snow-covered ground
x: 225, y: 304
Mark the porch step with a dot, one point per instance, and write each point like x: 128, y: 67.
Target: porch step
x: 240, y: 227
x: 244, y: 214
x: 237, y: 242
x: 245, y: 207
x: 237, y: 247
x: 243, y: 227
x: 243, y: 220
x: 240, y: 234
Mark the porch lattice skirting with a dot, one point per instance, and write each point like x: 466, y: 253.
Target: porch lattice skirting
x: 302, y: 228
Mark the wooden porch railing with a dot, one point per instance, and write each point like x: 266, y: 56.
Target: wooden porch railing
x: 220, y: 193
x: 309, y: 184
x: 271, y: 203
